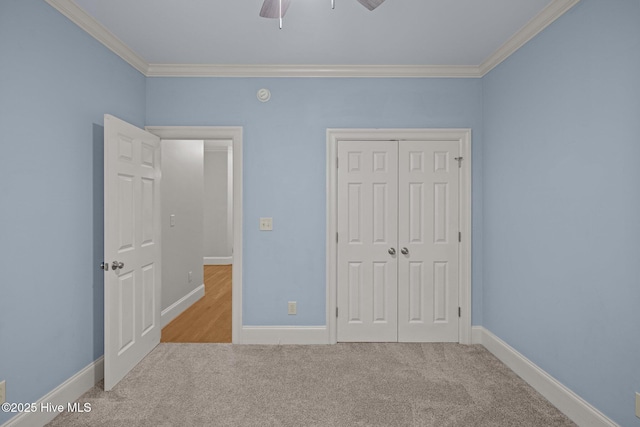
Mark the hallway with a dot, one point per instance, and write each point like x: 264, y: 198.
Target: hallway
x: 209, y: 319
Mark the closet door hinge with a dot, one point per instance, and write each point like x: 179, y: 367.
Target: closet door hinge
x: 336, y: 311
x: 336, y: 237
x: 336, y: 163
x: 459, y: 160
x: 459, y: 311
x: 459, y: 236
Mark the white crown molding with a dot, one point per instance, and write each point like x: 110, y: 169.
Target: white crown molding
x: 85, y: 21
x: 553, y: 11
x: 71, y: 10
x: 246, y: 70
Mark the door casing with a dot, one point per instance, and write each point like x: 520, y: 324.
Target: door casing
x: 221, y: 133
x: 463, y: 137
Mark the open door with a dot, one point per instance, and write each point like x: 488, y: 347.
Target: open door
x: 131, y: 247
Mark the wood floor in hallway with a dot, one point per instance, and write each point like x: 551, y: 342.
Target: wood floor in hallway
x: 209, y: 319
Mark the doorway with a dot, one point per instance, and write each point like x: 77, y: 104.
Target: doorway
x: 231, y: 274
x: 400, y: 190
x: 133, y: 239
x: 197, y: 201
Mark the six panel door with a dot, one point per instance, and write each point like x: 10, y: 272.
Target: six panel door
x: 428, y: 232
x: 397, y: 264
x: 367, y: 230
x: 131, y: 247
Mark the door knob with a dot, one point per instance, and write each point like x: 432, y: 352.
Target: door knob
x: 392, y: 251
x: 404, y: 251
x: 116, y: 265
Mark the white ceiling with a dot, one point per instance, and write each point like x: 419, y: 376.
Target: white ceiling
x: 399, y: 32
x: 401, y: 38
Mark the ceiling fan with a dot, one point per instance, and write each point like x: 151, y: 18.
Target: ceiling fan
x: 277, y: 8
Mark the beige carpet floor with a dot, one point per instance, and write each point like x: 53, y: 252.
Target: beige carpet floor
x: 333, y: 385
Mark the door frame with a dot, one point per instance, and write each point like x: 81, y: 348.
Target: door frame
x: 463, y: 136
x: 233, y: 133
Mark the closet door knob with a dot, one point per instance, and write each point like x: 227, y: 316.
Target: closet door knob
x: 404, y: 251
x: 392, y: 251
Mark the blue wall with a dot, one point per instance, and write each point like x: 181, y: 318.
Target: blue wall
x: 556, y: 200
x: 562, y: 203
x: 56, y: 82
x: 285, y: 161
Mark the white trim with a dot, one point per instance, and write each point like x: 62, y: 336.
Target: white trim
x: 284, y: 335
x: 568, y: 402
x: 464, y: 138
x: 222, y: 133
x: 197, y: 132
x: 220, y: 149
x: 549, y: 14
x: 77, y: 15
x: 217, y: 260
x: 217, y: 145
x: 67, y: 392
x: 175, y: 309
x: 464, y: 222
x: 230, y: 201
x: 476, y: 334
x: 288, y: 70
x: 95, y: 29
x: 332, y: 230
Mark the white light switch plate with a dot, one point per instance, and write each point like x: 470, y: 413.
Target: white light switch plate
x: 638, y: 405
x: 3, y: 392
x: 266, y: 224
x: 292, y: 307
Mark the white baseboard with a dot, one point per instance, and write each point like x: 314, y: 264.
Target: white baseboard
x: 476, y: 334
x: 67, y: 392
x: 572, y: 405
x: 218, y: 260
x: 569, y: 403
x: 175, y: 309
x: 285, y: 335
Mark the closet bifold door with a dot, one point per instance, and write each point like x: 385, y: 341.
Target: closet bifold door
x: 428, y: 203
x: 367, y: 260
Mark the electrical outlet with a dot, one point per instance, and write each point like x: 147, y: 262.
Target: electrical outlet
x: 190, y: 276
x: 172, y: 220
x: 266, y: 224
x: 292, y: 308
x: 3, y: 392
x: 637, y: 404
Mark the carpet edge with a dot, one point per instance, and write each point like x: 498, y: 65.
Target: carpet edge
x: 562, y: 397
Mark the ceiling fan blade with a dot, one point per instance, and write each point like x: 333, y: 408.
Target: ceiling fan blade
x: 371, y: 4
x: 271, y: 8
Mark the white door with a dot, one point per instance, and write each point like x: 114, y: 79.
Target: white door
x: 367, y: 230
x: 131, y: 247
x: 398, y: 241
x: 428, y: 233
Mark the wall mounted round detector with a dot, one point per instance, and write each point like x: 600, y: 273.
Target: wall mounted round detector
x: 264, y: 95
